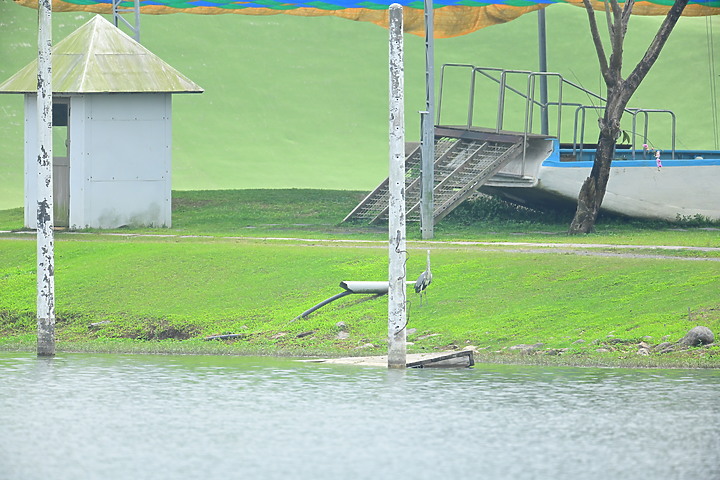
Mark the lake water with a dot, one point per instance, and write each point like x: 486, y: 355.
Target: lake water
x: 81, y: 416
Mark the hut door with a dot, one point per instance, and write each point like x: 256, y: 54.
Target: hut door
x: 61, y: 162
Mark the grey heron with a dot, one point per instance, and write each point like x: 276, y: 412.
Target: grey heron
x: 424, y: 279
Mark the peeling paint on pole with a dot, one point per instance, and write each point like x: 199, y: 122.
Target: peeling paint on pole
x: 397, y: 314
x: 45, y: 243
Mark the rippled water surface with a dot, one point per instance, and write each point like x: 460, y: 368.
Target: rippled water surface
x: 81, y: 416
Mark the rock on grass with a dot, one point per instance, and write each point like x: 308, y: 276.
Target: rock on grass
x: 698, y: 336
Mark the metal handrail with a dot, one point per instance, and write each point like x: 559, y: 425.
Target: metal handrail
x: 531, y: 102
x: 634, y: 113
x: 442, y: 79
x: 529, y: 105
x: 645, y: 111
x: 581, y: 108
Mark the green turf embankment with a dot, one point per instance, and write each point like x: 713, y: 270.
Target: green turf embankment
x: 218, y: 272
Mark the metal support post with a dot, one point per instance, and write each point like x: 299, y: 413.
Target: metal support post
x: 397, y: 314
x: 45, y: 242
x: 542, y: 60
x: 117, y: 10
x: 427, y: 204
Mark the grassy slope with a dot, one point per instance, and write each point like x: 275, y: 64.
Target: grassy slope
x: 491, y: 297
x: 301, y: 102
x: 317, y: 214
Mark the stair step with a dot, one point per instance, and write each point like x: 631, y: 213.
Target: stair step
x: 461, y: 166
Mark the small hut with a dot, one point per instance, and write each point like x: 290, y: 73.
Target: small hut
x: 112, y: 103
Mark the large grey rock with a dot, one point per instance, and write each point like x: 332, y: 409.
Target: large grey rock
x: 698, y: 336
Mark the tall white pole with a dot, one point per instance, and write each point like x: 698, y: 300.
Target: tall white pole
x: 427, y: 204
x: 397, y: 314
x: 45, y: 242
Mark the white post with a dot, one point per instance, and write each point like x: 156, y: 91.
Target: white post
x: 397, y: 314
x: 427, y: 204
x: 45, y: 243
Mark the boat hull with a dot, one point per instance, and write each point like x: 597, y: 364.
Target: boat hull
x: 684, y: 187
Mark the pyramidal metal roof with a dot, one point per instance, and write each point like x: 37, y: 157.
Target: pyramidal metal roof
x: 99, y: 58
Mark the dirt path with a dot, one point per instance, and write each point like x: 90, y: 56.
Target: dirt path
x: 677, y: 252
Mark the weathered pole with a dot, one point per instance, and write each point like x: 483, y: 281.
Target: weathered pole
x: 397, y: 313
x: 542, y: 61
x: 45, y: 242
x: 427, y: 173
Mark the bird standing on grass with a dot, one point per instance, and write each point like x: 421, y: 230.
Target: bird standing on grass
x: 424, y: 279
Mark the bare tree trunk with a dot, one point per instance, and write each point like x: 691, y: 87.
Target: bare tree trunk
x: 619, y: 93
x: 593, y: 189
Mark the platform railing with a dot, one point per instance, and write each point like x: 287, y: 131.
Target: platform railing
x: 500, y: 76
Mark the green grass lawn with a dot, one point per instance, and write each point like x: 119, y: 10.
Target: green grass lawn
x: 312, y: 213
x: 212, y: 277
x: 287, y: 138
x: 319, y: 214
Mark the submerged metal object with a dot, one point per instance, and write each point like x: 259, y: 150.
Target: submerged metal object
x: 451, y: 359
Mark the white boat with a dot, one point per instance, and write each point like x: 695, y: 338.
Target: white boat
x: 682, y: 184
x: 533, y: 168
x: 678, y: 184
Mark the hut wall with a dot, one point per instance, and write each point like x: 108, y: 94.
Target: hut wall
x: 120, y: 160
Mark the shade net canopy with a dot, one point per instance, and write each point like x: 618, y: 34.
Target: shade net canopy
x: 452, y: 17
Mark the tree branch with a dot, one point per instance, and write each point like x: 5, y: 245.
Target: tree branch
x: 608, y: 18
x: 597, y: 40
x: 617, y: 40
x: 627, y: 11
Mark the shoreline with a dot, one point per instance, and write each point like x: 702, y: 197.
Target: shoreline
x: 704, y: 357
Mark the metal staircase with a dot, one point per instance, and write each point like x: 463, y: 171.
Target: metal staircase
x: 464, y: 161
